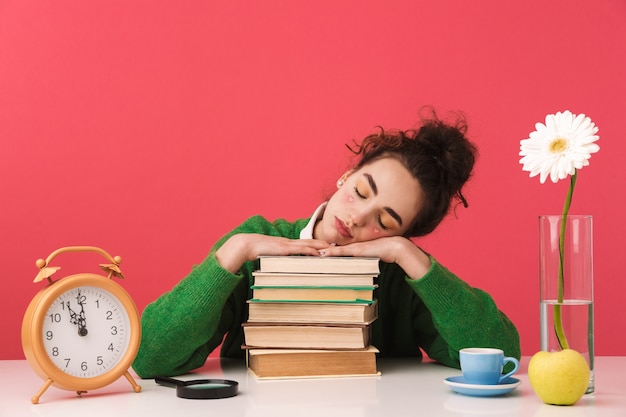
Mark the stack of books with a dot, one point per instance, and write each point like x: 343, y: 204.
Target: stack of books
x: 311, y: 317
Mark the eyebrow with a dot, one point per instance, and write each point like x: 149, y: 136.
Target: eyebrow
x: 372, y: 183
x: 374, y: 188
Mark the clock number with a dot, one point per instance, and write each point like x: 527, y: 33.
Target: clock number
x: 49, y: 335
x: 55, y: 318
x: 80, y: 298
x: 55, y: 351
x: 109, y: 315
x: 67, y: 362
x: 113, y: 330
x: 110, y: 347
x: 83, y: 366
x: 99, y: 360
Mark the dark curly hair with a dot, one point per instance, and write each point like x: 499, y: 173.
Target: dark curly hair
x: 437, y: 154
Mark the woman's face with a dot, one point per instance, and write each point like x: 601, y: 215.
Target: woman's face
x: 380, y: 199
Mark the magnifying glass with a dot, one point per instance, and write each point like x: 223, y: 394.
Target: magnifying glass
x: 201, y: 389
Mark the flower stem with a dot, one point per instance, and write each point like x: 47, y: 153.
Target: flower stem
x: 558, y: 319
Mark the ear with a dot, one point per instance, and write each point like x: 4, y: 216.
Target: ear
x: 343, y: 178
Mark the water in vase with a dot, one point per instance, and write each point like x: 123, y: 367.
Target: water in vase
x: 578, y: 328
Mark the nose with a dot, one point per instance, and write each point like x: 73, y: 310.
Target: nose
x: 358, y: 218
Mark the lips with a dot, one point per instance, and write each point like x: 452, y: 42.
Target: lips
x: 341, y: 227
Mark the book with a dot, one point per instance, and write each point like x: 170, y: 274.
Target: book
x: 311, y: 279
x: 319, y: 264
x: 311, y: 312
x: 311, y: 316
x: 321, y: 293
x: 286, y: 363
x: 306, y: 335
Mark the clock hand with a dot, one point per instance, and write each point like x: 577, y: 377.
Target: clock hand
x: 73, y: 315
x: 82, y: 320
x: 78, y: 319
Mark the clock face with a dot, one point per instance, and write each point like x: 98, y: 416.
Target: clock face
x: 86, y: 331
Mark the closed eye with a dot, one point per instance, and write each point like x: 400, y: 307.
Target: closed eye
x: 358, y: 193
x: 381, y: 224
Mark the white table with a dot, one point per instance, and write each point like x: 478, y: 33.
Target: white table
x: 405, y: 388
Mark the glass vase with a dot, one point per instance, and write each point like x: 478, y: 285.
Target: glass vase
x: 566, y: 285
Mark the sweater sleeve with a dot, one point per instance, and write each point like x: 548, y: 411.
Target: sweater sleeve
x: 177, y: 327
x: 183, y: 326
x: 462, y: 316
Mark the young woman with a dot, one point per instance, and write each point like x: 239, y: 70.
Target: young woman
x: 402, y: 186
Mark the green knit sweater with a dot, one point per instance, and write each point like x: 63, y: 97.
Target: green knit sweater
x: 439, y: 313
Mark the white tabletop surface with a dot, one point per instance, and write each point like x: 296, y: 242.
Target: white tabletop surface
x: 405, y: 388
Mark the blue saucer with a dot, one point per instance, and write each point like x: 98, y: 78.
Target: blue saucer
x: 458, y: 384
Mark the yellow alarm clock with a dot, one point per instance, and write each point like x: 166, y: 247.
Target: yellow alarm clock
x: 81, y: 332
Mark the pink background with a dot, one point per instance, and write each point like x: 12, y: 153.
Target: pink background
x: 150, y: 128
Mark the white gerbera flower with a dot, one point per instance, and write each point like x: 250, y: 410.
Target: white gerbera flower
x: 560, y: 147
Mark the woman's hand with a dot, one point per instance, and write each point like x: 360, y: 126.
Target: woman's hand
x: 244, y: 247
x: 393, y: 249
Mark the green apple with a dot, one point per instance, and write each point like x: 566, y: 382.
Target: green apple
x: 559, y: 378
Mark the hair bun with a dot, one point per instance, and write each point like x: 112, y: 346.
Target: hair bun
x: 453, y: 154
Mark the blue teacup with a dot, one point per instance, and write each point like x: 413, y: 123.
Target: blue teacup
x: 483, y: 366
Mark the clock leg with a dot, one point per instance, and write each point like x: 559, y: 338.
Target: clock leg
x: 43, y: 389
x: 136, y: 387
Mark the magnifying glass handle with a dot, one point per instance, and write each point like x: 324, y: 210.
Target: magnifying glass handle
x: 168, y: 382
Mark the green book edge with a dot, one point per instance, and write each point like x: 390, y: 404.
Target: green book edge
x: 318, y: 287
x: 356, y: 301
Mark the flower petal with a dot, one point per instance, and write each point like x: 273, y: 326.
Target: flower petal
x: 559, y: 147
